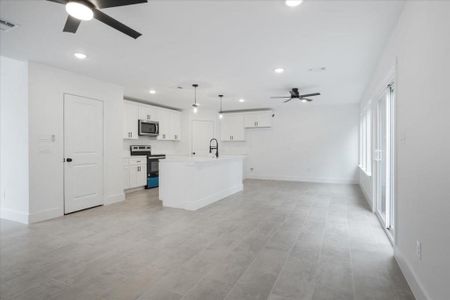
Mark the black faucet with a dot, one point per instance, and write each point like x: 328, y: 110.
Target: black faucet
x: 216, y: 147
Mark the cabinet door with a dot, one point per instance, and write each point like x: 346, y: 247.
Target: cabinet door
x: 131, y: 114
x: 258, y: 119
x: 176, y: 125
x: 126, y: 177
x: 138, y: 176
x: 164, y: 124
x: 232, y: 128
x: 147, y: 112
x: 264, y: 119
x: 142, y: 175
x: 250, y: 120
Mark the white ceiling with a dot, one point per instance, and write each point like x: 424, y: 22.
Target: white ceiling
x: 228, y: 47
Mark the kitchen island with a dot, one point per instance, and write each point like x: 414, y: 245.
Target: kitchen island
x: 193, y: 182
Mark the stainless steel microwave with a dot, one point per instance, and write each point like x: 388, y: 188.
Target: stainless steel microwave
x: 148, y: 128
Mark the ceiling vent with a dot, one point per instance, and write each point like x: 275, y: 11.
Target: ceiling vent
x: 6, y: 26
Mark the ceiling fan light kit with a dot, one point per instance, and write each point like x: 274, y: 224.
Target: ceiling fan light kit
x: 79, y: 10
x: 84, y: 10
x: 295, y: 94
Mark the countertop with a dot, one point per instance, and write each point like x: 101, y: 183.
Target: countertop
x: 189, y: 159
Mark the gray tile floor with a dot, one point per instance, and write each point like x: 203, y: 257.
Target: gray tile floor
x: 274, y: 240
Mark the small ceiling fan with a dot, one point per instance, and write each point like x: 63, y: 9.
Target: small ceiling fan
x: 84, y: 10
x: 296, y: 95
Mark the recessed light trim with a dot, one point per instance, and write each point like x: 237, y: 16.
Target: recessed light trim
x: 279, y: 70
x: 320, y: 69
x: 79, y: 11
x: 80, y: 55
x: 242, y: 100
x: 152, y: 92
x: 293, y: 3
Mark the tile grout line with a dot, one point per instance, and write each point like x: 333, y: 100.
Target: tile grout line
x: 253, y: 260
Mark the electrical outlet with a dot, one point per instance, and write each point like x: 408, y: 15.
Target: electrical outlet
x: 419, y: 249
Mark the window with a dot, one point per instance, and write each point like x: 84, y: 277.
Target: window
x: 365, y: 138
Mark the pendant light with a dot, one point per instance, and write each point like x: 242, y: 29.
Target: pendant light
x: 220, y: 111
x: 195, y: 105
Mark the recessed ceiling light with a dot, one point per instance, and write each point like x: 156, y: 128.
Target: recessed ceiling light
x: 241, y: 100
x: 152, y: 92
x: 293, y: 3
x: 279, y: 70
x: 79, y: 11
x: 320, y: 69
x: 80, y: 55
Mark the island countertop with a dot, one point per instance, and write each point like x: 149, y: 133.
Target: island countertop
x: 195, y: 160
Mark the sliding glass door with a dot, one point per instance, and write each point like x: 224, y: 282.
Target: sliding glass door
x: 384, y: 160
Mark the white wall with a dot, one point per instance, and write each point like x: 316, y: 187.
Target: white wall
x: 420, y: 49
x: 47, y: 86
x: 14, y: 139
x: 306, y: 143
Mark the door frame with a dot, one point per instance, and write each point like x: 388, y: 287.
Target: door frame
x: 213, y: 122
x: 64, y: 149
x: 389, y: 92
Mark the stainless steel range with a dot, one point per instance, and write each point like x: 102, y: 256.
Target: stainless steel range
x: 152, y: 163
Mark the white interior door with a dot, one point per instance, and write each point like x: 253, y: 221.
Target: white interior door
x: 83, y: 153
x: 202, y: 133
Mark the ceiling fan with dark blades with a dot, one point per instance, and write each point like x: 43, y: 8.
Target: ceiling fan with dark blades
x: 84, y: 10
x: 295, y: 94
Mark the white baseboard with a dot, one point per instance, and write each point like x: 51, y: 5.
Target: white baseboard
x: 207, y: 200
x: 368, y: 199
x: 14, y: 215
x: 415, y: 285
x: 304, y: 179
x: 114, y: 198
x: 45, y: 214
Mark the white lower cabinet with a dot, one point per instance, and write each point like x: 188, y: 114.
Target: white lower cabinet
x: 135, y: 172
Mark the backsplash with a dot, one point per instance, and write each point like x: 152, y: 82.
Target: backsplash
x: 158, y: 147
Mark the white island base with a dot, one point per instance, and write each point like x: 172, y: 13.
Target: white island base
x: 192, y: 183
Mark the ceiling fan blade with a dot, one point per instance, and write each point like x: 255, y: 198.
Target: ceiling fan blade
x: 286, y: 101
x: 310, y: 95
x: 115, y: 3
x: 280, y: 97
x: 104, y: 18
x: 307, y: 99
x: 71, y: 24
x: 58, y: 1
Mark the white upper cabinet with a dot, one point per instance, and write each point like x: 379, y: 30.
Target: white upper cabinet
x: 164, y: 118
x: 258, y: 119
x: 147, y: 112
x: 169, y: 120
x: 130, y: 124
x: 176, y: 125
x: 232, y: 128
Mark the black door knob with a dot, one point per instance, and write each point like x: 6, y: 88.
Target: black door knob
x: 68, y: 159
